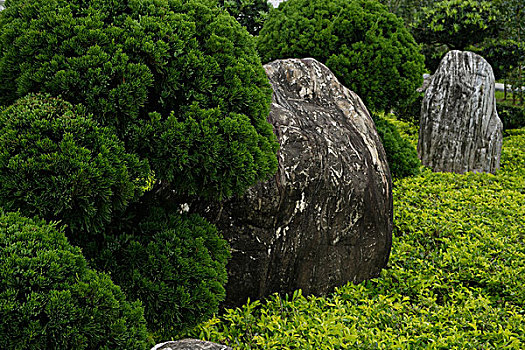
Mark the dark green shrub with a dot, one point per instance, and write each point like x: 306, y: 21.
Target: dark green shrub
x: 50, y: 299
x: 454, y: 25
x: 57, y: 163
x: 513, y: 117
x: 180, y: 84
x: 433, y: 55
x: 191, y: 65
x: 251, y: 14
x: 174, y: 263
x: 411, y: 113
x: 457, y: 23
x: 368, y: 49
x: 400, y: 153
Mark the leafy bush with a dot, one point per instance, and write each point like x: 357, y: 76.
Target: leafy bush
x: 457, y: 23
x: 512, y: 116
x: 174, y: 263
x: 411, y: 113
x: 408, y: 131
x: 513, y: 154
x: 455, y: 278
x: 180, y: 82
x: 400, y: 153
x: 173, y: 84
x: 368, y: 49
x: 57, y: 163
x: 453, y: 25
x: 50, y: 299
x: 251, y: 14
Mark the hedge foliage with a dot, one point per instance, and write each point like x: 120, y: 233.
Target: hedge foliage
x: 58, y: 164
x: 251, y: 14
x: 400, y: 153
x: 455, y: 278
x: 50, y: 299
x: 368, y: 49
x: 180, y: 83
x: 512, y: 116
x: 174, y: 263
x: 175, y: 86
x: 457, y: 23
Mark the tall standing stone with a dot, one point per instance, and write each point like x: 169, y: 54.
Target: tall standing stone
x: 460, y: 130
x: 326, y: 217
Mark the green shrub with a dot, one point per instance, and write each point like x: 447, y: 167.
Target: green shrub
x: 368, y: 49
x: 454, y: 25
x: 408, y: 131
x: 50, y: 299
x: 512, y: 116
x: 180, y: 82
x: 457, y: 23
x: 411, y: 113
x: 180, y: 85
x: 513, y: 153
x: 454, y: 281
x: 251, y: 14
x: 400, y: 153
x: 174, y: 263
x: 57, y: 163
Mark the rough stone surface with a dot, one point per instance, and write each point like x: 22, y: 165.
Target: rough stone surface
x: 460, y: 130
x: 326, y: 217
x: 190, y: 344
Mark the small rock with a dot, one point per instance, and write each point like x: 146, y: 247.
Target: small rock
x: 190, y: 344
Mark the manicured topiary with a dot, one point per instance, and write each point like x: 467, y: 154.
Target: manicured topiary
x: 180, y: 84
x: 57, y: 163
x: 174, y: 263
x: 50, y: 299
x: 400, y: 153
x: 368, y: 49
x: 193, y: 66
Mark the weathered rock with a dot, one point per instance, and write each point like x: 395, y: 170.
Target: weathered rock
x: 427, y: 78
x: 460, y: 130
x: 326, y: 217
x: 190, y: 344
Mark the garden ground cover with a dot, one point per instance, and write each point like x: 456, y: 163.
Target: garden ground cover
x: 454, y: 281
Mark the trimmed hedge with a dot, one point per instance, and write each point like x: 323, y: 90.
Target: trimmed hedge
x: 251, y: 14
x: 400, y: 153
x: 176, y: 85
x: 50, y: 299
x: 179, y: 81
x: 455, y: 278
x: 174, y: 263
x: 58, y: 164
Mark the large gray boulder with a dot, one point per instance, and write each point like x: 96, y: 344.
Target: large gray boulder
x: 190, y: 344
x: 326, y: 217
x: 460, y: 130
